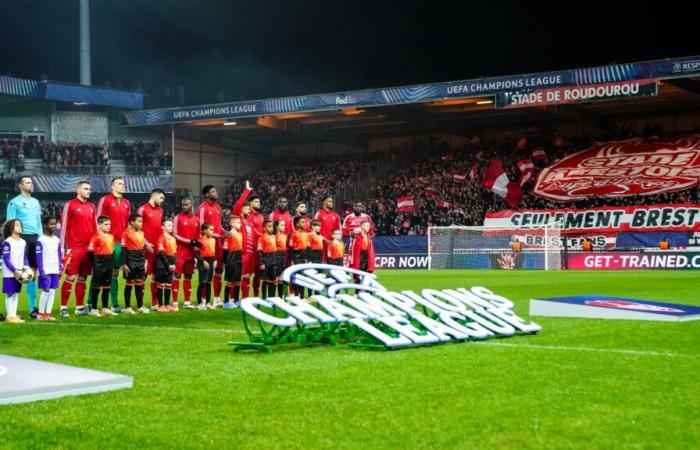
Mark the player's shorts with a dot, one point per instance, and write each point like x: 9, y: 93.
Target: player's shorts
x: 136, y: 273
x: 234, y: 267
x: 31, y: 239
x: 184, y: 266
x: 49, y: 281
x: 250, y: 265
x: 11, y: 286
x: 163, y: 276
x: 79, y: 263
x: 280, y: 263
x: 297, y: 256
x: 315, y: 256
x: 206, y: 275
x: 101, y: 276
x: 270, y: 270
x: 117, y: 256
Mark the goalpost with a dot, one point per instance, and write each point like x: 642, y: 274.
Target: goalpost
x: 462, y: 247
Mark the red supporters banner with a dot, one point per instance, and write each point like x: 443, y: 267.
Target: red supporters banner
x: 404, y: 204
x: 496, y: 180
x: 458, y: 177
x: 444, y: 204
x: 680, y: 217
x: 623, y: 168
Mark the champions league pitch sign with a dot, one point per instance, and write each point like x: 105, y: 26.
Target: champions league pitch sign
x: 373, y: 316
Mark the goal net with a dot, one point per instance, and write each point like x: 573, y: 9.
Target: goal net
x: 461, y: 247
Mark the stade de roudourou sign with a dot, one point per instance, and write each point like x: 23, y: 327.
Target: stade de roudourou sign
x: 374, y: 316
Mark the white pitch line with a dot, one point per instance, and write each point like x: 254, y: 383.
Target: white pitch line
x: 588, y: 349
x: 146, y: 327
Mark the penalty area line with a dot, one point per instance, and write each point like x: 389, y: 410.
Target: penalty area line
x: 586, y: 349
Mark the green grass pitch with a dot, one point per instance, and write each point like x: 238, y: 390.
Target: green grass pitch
x: 579, y: 383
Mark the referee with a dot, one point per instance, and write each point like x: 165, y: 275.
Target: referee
x: 27, y: 209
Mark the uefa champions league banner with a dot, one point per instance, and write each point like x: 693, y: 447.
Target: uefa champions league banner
x: 374, y: 316
x: 607, y: 219
x: 635, y: 261
x: 576, y: 94
x: 615, y: 73
x: 623, y: 168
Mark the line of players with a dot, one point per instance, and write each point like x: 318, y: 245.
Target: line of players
x: 252, y: 253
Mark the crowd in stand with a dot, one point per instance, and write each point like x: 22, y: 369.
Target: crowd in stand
x: 445, y: 183
x: 84, y: 159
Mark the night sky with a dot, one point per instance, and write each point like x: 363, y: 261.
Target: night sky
x: 259, y: 49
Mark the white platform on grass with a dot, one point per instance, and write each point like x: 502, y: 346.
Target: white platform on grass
x: 606, y: 307
x: 27, y: 380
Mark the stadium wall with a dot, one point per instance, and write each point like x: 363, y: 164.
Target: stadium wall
x: 197, y: 164
x: 26, y: 116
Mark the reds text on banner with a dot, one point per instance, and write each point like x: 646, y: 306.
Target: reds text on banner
x: 623, y: 168
x: 667, y: 217
x: 576, y: 94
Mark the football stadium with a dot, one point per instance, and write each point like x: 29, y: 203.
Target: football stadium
x: 507, y: 260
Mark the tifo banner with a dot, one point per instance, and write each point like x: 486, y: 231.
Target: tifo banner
x: 635, y: 261
x: 101, y: 183
x: 623, y: 168
x: 576, y: 94
x: 666, y: 217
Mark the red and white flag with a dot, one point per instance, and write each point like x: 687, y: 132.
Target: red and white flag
x: 444, y: 204
x: 496, y: 180
x: 458, y: 177
x: 539, y: 154
x: 404, y: 204
x: 430, y: 191
x: 527, y: 170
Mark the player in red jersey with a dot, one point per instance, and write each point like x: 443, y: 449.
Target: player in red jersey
x: 152, y: 214
x: 282, y: 213
x: 78, y: 226
x: 210, y: 212
x: 352, y: 223
x: 300, y: 211
x: 186, y: 232
x: 115, y: 206
x: 330, y: 220
x: 250, y: 238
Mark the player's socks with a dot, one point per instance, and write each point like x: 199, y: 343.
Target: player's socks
x: 105, y: 296
x: 66, y: 289
x: 11, y: 305
x: 139, y: 295
x: 49, y: 300
x: 114, y: 292
x: 245, y: 287
x: 42, y: 302
x: 256, y: 286
x: 159, y: 295
x: 280, y: 290
x: 154, y: 294
x: 80, y: 288
x: 127, y: 295
x: 187, y: 289
x: 236, y: 292
x: 31, y: 292
x: 175, y: 286
x: 217, y: 284
x: 94, y: 297
x: 166, y: 296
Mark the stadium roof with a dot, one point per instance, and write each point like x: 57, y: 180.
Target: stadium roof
x: 11, y: 87
x: 669, y: 86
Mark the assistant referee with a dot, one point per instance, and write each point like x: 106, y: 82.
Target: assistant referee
x: 27, y: 210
